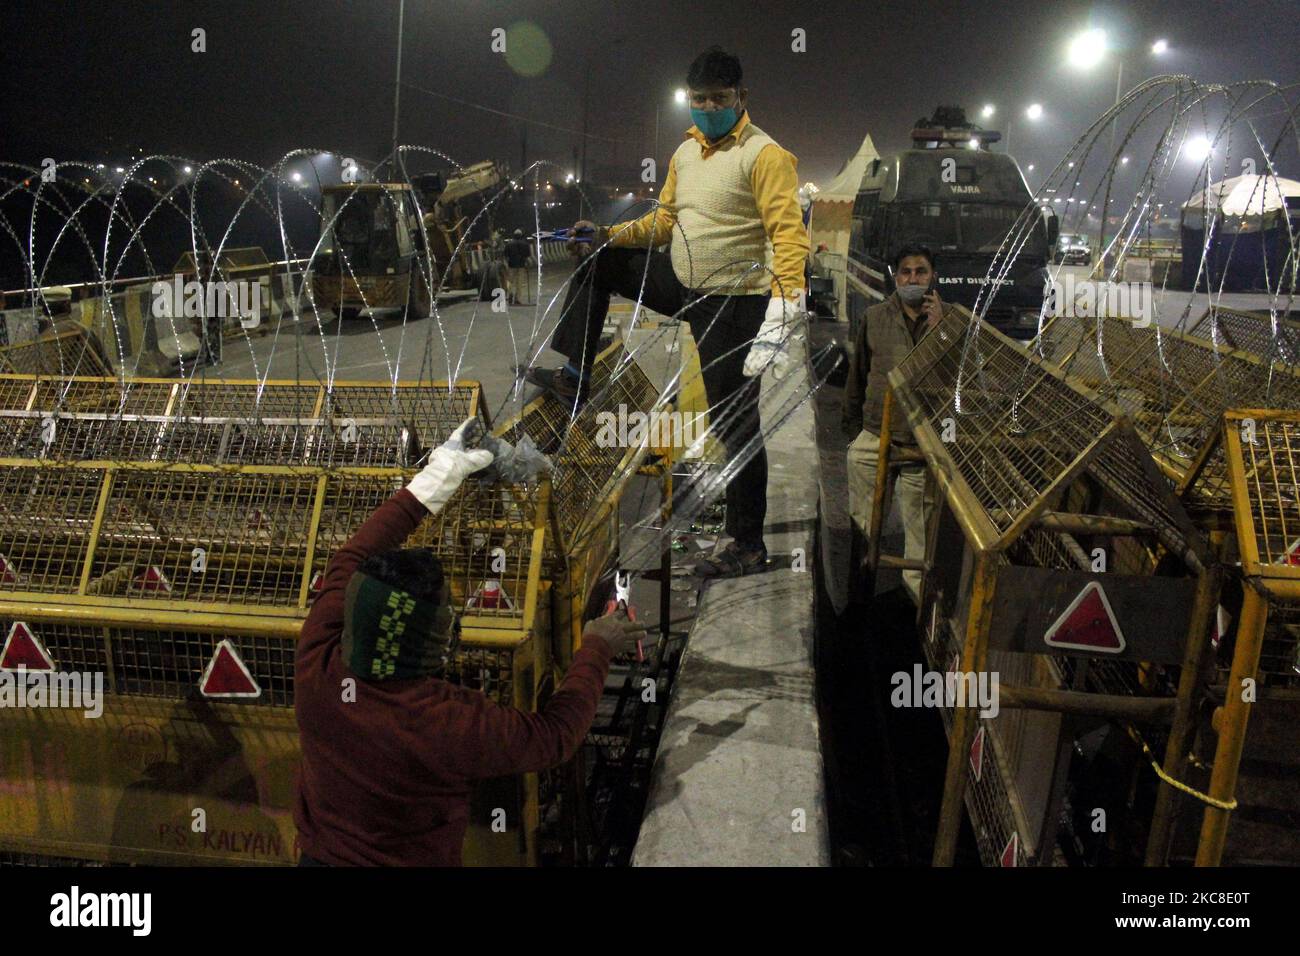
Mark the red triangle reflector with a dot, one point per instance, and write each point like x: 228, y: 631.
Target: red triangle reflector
x: 7, y: 573
x: 490, y: 594
x: 24, y: 649
x: 227, y: 676
x: 977, y: 754
x: 1088, y: 624
x: 1010, y: 852
x: 153, y: 579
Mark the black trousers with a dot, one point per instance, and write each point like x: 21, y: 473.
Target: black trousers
x: 720, y: 325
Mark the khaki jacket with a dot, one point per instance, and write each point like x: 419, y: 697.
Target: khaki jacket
x: 885, y: 337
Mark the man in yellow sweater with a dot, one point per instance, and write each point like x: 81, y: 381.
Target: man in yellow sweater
x: 730, y: 213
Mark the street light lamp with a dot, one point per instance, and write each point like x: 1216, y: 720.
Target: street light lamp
x: 679, y: 97
x: 1034, y: 112
x: 1198, y: 148
x: 1087, y: 49
x: 1159, y: 47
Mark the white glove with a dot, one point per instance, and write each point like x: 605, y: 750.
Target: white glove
x: 449, y: 465
x: 782, y: 324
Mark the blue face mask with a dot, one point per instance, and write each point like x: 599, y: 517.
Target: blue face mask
x: 715, y: 124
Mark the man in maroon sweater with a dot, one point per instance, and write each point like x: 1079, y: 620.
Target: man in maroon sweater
x: 390, y: 751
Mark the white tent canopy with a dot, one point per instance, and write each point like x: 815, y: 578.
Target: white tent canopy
x: 832, y: 213
x: 1245, y: 195
x: 844, y: 187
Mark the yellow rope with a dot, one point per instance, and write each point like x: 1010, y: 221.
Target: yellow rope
x: 1178, y: 784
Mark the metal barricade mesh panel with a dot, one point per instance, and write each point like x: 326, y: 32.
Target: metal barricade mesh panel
x: 585, y: 470
x: 82, y: 436
x: 20, y: 435
x: 1122, y: 469
x: 1175, y: 387
x: 251, y: 527
x: 321, y: 443
x: 1271, y: 466
x: 15, y: 392
x: 46, y: 519
x: 1251, y: 332
x: 1279, y: 658
x: 216, y: 399
x: 987, y: 801
x: 64, y: 353
x: 72, y: 647
x: 584, y: 473
x: 433, y: 410
x: 104, y: 395
x: 170, y: 663
x: 1008, y: 450
x: 485, y: 669
x: 484, y: 534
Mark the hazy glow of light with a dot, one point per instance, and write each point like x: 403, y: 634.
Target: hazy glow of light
x: 1160, y: 46
x: 1086, y: 49
x: 1035, y: 111
x: 1197, y: 149
x: 988, y: 110
x: 680, y: 95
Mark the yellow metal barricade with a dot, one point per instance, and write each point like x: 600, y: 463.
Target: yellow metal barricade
x: 143, y: 521
x: 1051, y: 507
x: 1258, y: 682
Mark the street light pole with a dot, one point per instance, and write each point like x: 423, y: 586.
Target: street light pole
x: 656, y: 156
x: 1119, y: 85
x: 397, y: 86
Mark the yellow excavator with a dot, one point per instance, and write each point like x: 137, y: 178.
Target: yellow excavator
x: 372, y: 252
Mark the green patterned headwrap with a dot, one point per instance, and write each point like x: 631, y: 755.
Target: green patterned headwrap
x: 389, y: 634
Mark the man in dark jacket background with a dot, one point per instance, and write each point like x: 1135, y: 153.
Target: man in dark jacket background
x: 518, y: 251
x: 390, y: 750
x: 889, y: 330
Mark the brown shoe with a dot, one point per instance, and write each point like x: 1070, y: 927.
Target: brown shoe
x: 733, y: 561
x: 559, y: 383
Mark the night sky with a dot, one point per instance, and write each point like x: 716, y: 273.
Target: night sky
x: 88, y: 80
